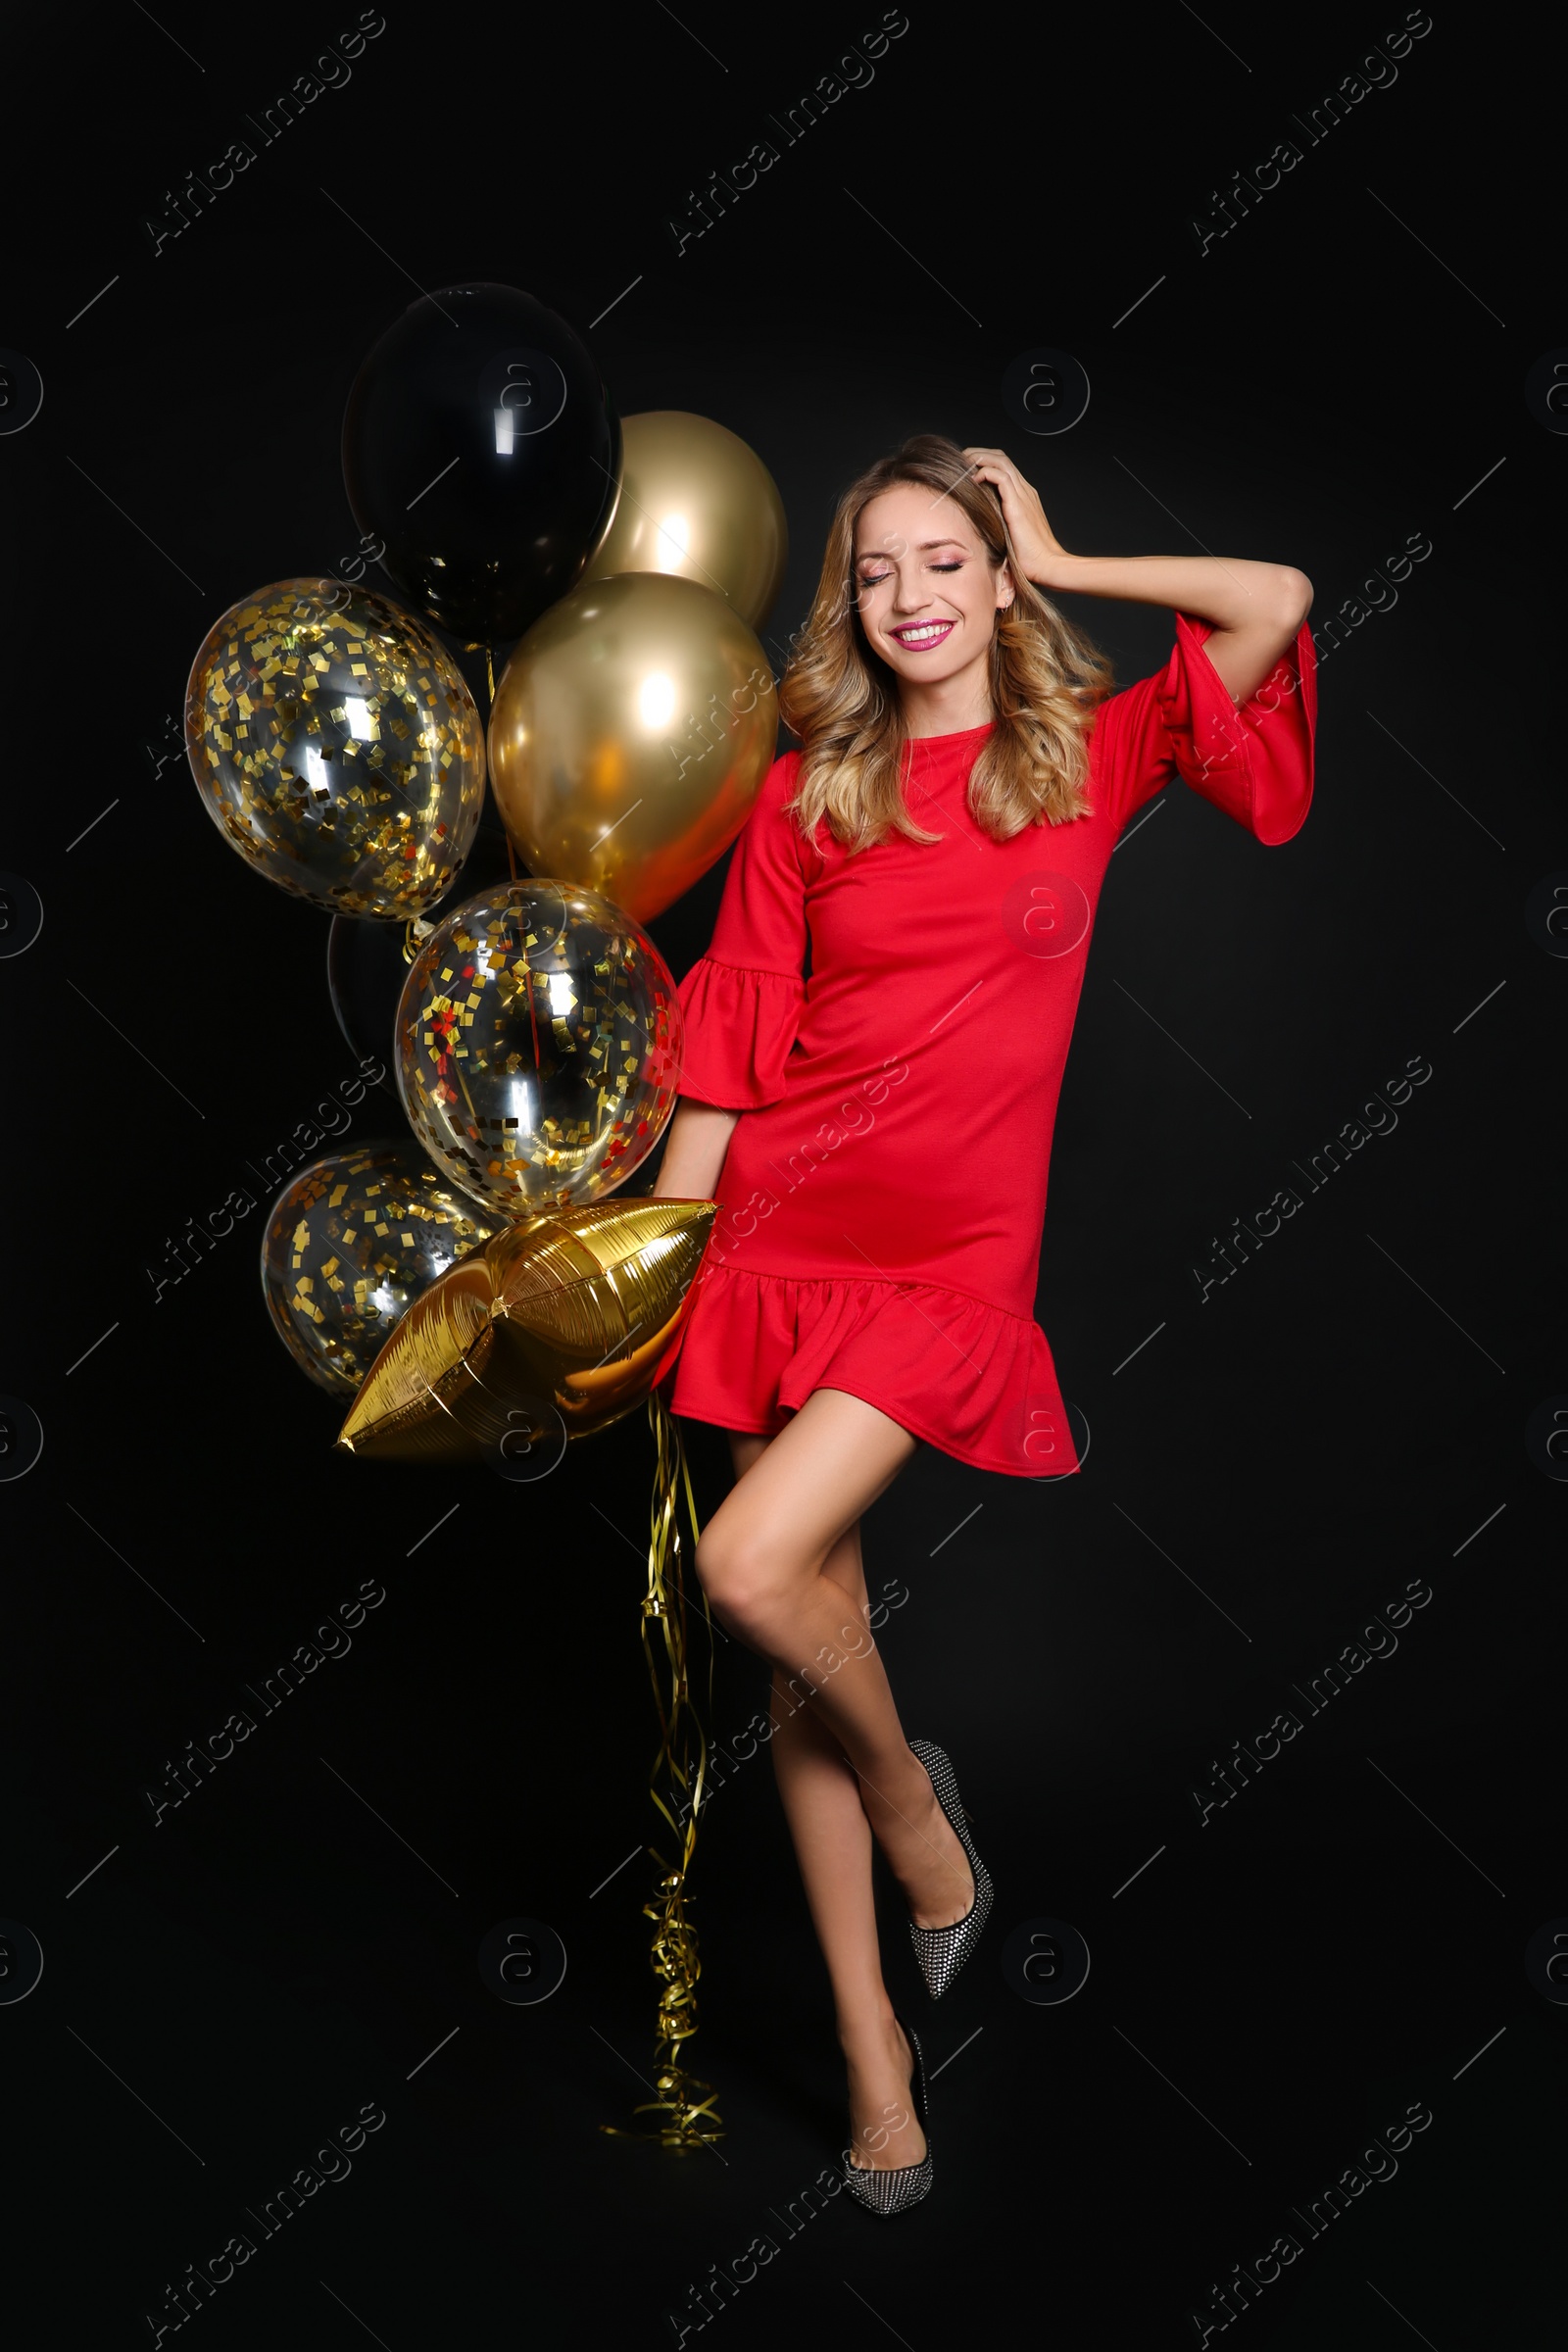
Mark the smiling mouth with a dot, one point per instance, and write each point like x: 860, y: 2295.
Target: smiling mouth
x: 921, y: 635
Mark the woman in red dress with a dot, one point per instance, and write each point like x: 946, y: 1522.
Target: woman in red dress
x: 877, y: 1137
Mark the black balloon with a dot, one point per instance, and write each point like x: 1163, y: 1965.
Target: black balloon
x: 480, y: 448
x: 366, y: 966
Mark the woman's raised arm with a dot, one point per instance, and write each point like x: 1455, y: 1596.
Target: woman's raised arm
x: 1254, y: 609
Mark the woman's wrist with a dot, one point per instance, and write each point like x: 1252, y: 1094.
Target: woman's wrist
x: 1053, y: 569
x: 695, y: 1150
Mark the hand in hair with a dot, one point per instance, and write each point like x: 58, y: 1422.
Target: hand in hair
x: 1254, y: 611
x: 1034, y: 544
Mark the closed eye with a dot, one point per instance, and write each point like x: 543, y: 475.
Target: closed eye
x: 874, y: 579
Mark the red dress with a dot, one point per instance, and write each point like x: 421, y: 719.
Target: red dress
x: 883, y: 1199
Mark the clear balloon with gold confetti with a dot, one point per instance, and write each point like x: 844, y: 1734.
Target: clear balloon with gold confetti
x: 336, y: 747
x: 539, y: 1040
x: 350, y: 1244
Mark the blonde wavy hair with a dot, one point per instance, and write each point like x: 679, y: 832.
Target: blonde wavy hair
x: 841, y: 700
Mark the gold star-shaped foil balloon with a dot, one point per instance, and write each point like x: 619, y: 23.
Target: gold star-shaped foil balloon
x: 564, y: 1322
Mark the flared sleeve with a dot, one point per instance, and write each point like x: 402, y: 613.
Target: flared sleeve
x: 1252, y: 760
x: 743, y: 999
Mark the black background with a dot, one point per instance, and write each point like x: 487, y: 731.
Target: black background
x: 1278, y: 1462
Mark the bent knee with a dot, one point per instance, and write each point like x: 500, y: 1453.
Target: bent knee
x: 742, y: 1575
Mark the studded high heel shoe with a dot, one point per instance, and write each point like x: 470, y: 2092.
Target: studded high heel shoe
x: 943, y: 1951
x: 895, y: 2190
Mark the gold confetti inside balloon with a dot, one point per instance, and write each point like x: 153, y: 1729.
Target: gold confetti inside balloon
x: 695, y: 500
x: 571, y: 1317
x: 539, y: 1040
x: 336, y: 747
x: 632, y: 728
x: 350, y: 1244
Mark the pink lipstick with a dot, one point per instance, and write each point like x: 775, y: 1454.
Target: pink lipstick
x: 920, y: 636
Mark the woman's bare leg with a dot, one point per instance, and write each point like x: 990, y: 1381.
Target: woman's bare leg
x: 761, y: 1559
x: 832, y: 1841
x: 796, y: 1592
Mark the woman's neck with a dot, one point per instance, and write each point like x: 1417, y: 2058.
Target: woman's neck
x: 948, y: 706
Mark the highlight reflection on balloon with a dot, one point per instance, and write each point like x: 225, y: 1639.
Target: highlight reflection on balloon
x: 539, y: 1041
x: 350, y: 1244
x: 697, y: 502
x: 480, y: 447
x: 568, y: 1320
x: 631, y: 731
x: 336, y: 747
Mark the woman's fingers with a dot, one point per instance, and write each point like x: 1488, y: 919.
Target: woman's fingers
x: 994, y: 466
x: 1023, y: 512
x: 1018, y: 497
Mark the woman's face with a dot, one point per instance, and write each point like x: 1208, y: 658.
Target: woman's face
x: 924, y: 587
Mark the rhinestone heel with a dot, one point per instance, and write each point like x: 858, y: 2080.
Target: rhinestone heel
x: 943, y: 1951
x: 895, y: 2190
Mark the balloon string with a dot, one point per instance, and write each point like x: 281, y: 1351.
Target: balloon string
x: 490, y: 675
x: 684, y: 2106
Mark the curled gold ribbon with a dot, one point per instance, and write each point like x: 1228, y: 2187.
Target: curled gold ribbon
x: 683, y: 2105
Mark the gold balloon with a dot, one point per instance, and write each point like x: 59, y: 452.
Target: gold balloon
x: 696, y: 502
x: 567, y: 1320
x: 336, y: 747
x: 631, y: 732
x: 350, y: 1244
